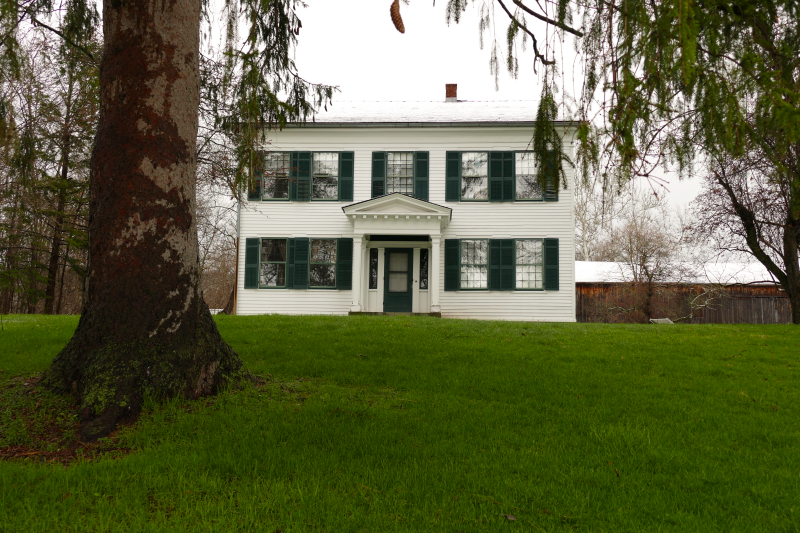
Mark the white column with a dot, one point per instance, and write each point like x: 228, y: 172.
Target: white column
x: 358, y: 261
x: 433, y: 273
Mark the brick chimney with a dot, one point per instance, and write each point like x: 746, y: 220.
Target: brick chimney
x: 450, y: 92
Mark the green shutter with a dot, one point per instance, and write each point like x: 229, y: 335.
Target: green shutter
x: 303, y: 178
x: 551, y: 264
x: 344, y: 264
x: 509, y: 176
x: 378, y: 174
x: 452, y: 265
x: 300, y: 264
x: 551, y: 178
x: 251, y: 263
x: 502, y: 267
x: 346, y: 176
x: 452, y: 191
x: 495, y: 176
x: 421, y: 175
x: 290, y: 263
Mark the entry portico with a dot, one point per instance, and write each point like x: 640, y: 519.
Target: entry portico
x: 395, y: 277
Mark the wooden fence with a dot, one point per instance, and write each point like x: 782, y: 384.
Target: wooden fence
x: 696, y: 304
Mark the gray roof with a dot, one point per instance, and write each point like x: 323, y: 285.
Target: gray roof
x: 403, y: 113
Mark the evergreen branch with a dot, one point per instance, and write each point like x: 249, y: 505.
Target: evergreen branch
x: 555, y: 23
x: 37, y: 22
x: 533, y: 37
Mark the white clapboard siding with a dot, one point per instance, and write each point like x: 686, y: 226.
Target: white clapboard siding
x: 486, y: 220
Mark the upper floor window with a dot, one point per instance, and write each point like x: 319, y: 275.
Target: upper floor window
x: 400, y: 173
x: 325, y: 177
x: 275, y: 175
x: 303, y: 176
x: 498, y: 177
x: 526, y: 184
x: 474, y: 176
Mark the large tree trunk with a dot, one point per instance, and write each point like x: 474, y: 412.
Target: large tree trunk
x: 145, y: 328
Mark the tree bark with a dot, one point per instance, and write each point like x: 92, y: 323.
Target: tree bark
x: 145, y: 329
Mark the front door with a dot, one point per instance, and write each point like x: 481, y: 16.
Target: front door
x: 397, y: 280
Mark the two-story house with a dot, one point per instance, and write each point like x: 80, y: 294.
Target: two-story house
x: 418, y: 207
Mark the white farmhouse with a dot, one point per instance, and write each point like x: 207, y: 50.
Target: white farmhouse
x: 407, y: 207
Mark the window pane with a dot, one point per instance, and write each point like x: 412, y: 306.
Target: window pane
x: 276, y: 188
x: 473, y: 277
x: 400, y: 172
x: 527, y: 188
x: 398, y: 282
x: 323, y: 250
x: 398, y: 262
x: 373, y: 268
x: 529, y: 277
x: 326, y: 187
x: 325, y: 178
x: 474, y: 251
x: 273, y: 274
x: 276, y: 172
x: 273, y: 250
x: 423, y: 268
x: 475, y: 164
x: 529, y: 252
x: 323, y: 275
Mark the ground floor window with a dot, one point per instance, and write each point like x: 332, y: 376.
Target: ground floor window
x: 273, y: 263
x: 323, y: 263
x: 474, y: 264
x: 530, y: 264
x: 501, y: 264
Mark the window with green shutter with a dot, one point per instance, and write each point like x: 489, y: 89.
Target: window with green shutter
x: 403, y: 172
x: 325, y: 176
x: 501, y: 176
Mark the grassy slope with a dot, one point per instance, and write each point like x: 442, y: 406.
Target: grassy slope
x: 411, y: 424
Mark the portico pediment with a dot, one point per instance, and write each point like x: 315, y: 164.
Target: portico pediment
x: 398, y: 213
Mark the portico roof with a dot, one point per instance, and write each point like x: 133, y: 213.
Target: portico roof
x: 398, y: 213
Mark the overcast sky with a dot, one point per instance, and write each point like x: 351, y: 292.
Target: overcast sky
x: 354, y: 45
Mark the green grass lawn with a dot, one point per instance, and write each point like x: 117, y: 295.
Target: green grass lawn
x: 422, y: 424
